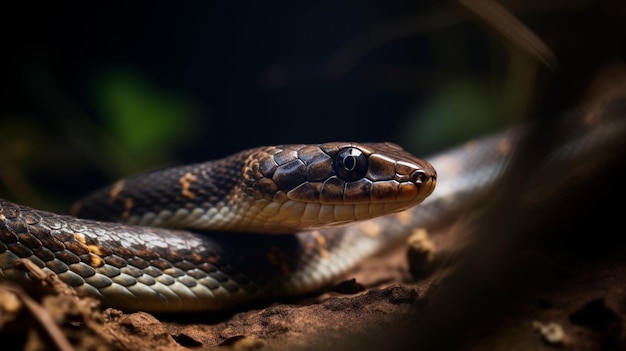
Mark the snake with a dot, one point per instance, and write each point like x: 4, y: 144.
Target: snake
x: 271, y: 222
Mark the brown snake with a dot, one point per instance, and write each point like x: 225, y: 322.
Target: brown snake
x: 277, y: 189
x: 136, y: 267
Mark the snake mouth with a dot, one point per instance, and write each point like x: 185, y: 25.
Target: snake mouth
x: 337, y: 202
x: 427, y: 184
x: 413, y: 192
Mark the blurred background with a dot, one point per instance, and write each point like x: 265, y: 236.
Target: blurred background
x: 92, y: 92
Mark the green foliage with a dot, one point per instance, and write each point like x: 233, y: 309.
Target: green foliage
x: 144, y: 119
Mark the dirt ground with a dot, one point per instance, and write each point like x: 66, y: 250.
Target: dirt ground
x: 555, y: 299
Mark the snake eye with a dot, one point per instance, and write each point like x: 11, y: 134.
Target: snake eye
x: 350, y: 164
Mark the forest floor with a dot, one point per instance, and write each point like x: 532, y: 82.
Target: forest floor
x: 563, y: 301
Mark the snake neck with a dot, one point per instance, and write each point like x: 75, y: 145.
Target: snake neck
x: 208, y: 190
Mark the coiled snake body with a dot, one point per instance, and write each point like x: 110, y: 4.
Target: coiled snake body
x: 309, y: 190
x: 282, y: 189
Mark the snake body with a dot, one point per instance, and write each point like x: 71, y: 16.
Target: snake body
x: 280, y: 189
x: 136, y: 267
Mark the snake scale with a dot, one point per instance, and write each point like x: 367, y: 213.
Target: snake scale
x: 306, y: 195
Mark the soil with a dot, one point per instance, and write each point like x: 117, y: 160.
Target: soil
x: 562, y: 301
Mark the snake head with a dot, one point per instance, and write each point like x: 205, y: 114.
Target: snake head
x: 275, y: 189
x: 297, y: 187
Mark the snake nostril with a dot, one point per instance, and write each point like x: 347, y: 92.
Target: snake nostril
x: 418, y: 176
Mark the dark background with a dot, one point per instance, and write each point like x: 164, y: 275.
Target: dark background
x: 95, y: 92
